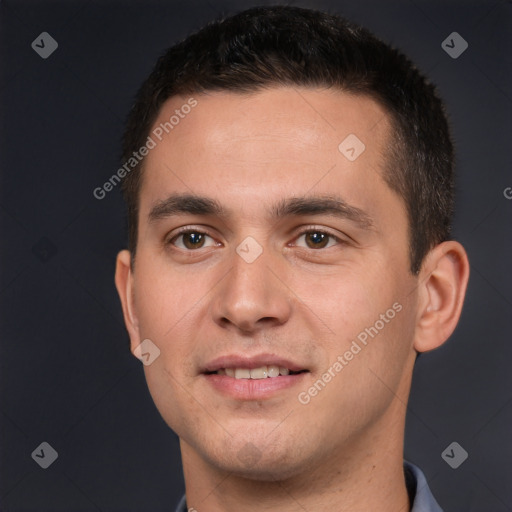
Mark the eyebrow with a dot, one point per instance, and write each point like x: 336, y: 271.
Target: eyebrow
x: 192, y: 204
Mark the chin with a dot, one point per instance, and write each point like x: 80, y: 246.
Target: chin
x: 266, y: 465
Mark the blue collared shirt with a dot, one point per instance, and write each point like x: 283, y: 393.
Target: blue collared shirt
x: 421, y: 497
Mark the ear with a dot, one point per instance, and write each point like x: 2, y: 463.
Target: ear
x: 124, y: 285
x: 443, y: 281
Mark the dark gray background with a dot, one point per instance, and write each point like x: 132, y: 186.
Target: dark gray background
x: 67, y: 376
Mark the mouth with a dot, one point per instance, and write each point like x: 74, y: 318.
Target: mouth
x: 262, y: 372
x: 253, y: 378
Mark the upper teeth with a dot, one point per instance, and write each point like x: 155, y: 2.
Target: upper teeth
x: 255, y: 373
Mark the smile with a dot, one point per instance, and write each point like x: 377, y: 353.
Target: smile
x: 262, y: 372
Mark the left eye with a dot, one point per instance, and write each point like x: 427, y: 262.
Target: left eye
x: 316, y: 239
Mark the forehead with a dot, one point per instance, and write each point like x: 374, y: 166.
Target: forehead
x: 246, y: 148
x: 282, y: 116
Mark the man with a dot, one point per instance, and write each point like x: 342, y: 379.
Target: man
x: 290, y: 192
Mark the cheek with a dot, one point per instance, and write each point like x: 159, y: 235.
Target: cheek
x: 346, y: 302
x: 169, y: 306
x: 163, y: 300
x: 369, y: 322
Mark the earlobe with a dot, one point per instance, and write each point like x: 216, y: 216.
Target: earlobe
x: 443, y: 283
x: 124, y: 285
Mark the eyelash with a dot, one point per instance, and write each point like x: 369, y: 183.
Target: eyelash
x: 309, y: 229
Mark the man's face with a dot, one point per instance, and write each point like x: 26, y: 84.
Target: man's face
x: 260, y: 287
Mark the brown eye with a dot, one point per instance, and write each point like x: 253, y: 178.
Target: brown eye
x: 190, y: 240
x: 193, y: 240
x: 316, y: 239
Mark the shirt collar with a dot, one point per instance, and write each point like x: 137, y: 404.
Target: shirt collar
x: 417, y: 486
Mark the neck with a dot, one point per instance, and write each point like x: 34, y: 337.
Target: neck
x: 366, y: 474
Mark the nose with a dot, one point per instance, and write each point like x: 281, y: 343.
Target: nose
x: 253, y: 295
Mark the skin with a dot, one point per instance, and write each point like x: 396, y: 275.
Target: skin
x: 344, y: 449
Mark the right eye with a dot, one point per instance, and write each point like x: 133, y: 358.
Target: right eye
x: 191, y: 239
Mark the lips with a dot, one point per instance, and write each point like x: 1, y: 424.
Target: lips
x: 259, y: 377
x: 258, y: 366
